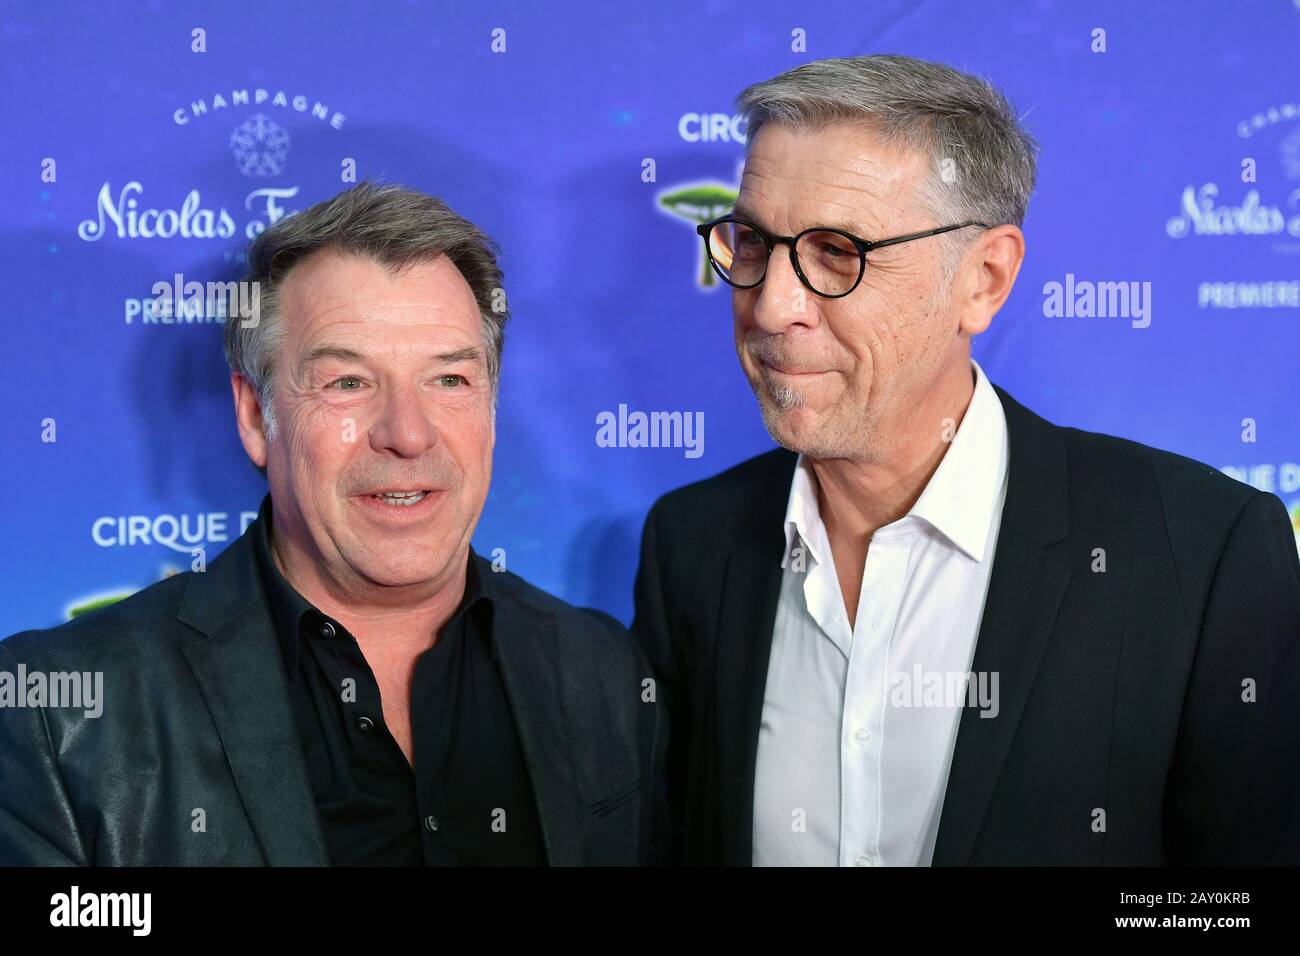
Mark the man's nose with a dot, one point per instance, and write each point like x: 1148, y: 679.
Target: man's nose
x: 783, y: 301
x: 405, y: 424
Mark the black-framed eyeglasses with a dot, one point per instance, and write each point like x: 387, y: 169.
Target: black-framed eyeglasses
x: 830, y: 262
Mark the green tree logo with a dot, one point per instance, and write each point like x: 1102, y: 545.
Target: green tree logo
x: 93, y: 602
x: 95, y: 605
x: 697, y: 203
x: 1295, y: 523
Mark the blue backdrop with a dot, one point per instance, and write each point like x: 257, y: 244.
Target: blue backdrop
x: 1170, y: 157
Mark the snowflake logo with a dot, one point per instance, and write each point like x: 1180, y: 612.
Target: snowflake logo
x: 260, y: 145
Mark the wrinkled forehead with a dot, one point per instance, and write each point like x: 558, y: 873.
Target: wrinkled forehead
x: 842, y: 175
x: 333, y: 288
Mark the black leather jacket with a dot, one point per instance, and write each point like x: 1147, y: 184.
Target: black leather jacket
x: 195, y: 758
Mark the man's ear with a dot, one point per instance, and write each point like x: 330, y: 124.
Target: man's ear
x: 994, y: 263
x: 248, y: 418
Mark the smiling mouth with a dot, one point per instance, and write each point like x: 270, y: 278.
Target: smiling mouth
x: 400, y: 499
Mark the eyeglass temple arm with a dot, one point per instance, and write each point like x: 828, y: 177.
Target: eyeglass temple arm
x: 868, y: 246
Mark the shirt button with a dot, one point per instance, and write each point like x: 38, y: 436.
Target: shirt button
x: 364, y: 723
x: 328, y: 630
x: 431, y: 823
x: 863, y: 861
x: 862, y: 736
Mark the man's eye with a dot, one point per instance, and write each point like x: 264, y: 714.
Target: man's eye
x: 348, y: 383
x: 452, y: 381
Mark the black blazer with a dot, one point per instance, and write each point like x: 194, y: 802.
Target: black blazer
x: 196, y: 715
x: 1120, y: 691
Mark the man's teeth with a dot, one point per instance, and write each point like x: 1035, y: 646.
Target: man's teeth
x: 403, y: 498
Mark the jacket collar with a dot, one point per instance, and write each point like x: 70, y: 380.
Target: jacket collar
x: 239, y: 669
x: 241, y: 673
x: 1025, y: 592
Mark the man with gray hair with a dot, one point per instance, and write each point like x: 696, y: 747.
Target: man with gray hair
x: 348, y: 683
x: 934, y: 628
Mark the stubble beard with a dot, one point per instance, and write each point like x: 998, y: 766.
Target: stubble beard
x: 837, y: 432
x: 828, y: 439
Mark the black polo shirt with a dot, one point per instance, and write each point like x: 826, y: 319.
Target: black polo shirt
x: 468, y: 799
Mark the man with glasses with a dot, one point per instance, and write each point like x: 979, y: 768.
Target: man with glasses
x: 934, y: 628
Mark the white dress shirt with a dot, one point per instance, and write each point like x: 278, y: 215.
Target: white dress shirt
x: 857, y: 733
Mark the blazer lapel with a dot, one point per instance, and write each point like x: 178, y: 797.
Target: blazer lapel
x: 750, y: 588
x: 528, y: 653
x: 1025, y: 593
x: 238, y: 667
x: 240, y: 671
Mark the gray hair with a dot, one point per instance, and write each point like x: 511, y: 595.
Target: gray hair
x: 929, y: 107
x: 391, y: 224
